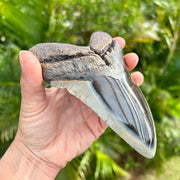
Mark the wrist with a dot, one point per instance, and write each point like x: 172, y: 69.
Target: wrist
x: 21, y: 163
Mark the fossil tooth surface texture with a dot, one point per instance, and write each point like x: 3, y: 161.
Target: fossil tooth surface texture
x: 95, y: 74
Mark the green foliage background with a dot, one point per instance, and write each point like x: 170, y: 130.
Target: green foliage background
x: 151, y: 29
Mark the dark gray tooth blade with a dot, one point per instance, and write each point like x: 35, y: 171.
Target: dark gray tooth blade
x: 127, y: 102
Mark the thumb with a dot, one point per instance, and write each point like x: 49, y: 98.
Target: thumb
x: 32, y: 88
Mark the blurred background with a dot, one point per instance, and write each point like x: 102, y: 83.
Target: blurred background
x: 150, y: 28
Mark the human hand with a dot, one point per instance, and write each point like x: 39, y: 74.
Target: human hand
x: 54, y: 125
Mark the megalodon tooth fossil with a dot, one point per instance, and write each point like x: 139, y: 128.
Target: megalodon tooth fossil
x: 96, y: 75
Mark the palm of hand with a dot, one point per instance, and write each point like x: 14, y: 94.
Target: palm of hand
x: 64, y: 127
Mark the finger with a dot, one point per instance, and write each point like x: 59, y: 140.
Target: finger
x: 32, y: 88
x: 51, y: 89
x: 137, y: 78
x: 121, y: 41
x: 130, y: 61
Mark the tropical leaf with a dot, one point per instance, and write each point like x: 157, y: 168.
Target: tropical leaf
x: 174, y: 105
x: 9, y: 91
x: 25, y: 21
x: 80, y: 167
x: 106, y: 167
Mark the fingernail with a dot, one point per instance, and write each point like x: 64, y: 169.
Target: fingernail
x: 21, y: 60
x: 26, y: 59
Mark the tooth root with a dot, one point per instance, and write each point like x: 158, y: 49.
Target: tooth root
x: 100, y: 42
x: 53, y: 52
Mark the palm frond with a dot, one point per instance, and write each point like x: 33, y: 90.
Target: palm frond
x: 4, y: 146
x: 107, y: 167
x: 9, y: 111
x: 26, y: 21
x: 80, y: 166
x: 9, y: 91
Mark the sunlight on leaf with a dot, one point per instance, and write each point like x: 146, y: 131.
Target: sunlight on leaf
x: 106, y: 167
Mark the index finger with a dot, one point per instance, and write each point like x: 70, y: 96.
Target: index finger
x: 121, y: 41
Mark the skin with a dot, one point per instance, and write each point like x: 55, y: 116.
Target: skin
x: 54, y: 126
